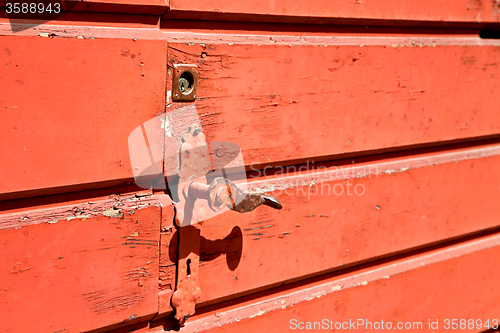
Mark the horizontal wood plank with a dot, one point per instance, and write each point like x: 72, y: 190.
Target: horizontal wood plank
x: 458, y: 282
x: 343, y: 215
x: 70, y: 107
x: 281, y: 10
x: 286, y: 102
x: 80, y: 266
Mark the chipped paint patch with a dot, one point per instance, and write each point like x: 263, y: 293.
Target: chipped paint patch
x: 146, y: 205
x: 113, y: 212
x: 128, y: 203
x: 83, y: 217
x: 260, y: 313
x: 263, y: 189
x: 166, y: 125
x: 169, y: 96
x: 336, y: 288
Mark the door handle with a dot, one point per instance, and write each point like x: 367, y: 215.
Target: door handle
x: 224, y: 193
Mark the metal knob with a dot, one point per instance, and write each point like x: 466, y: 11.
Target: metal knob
x: 224, y: 193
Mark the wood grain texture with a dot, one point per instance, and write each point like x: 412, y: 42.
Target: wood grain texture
x: 80, y: 266
x: 296, y: 10
x: 282, y: 103
x: 70, y: 107
x: 340, y: 216
x: 458, y: 282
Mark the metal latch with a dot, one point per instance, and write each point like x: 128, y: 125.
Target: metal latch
x: 197, y: 200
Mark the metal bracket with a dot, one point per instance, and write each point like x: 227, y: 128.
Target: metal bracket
x: 185, y: 83
x: 199, y: 201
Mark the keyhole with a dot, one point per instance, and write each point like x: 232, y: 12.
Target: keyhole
x: 186, y: 83
x: 188, y: 263
x: 183, y: 84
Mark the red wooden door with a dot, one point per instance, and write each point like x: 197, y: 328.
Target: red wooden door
x: 376, y: 126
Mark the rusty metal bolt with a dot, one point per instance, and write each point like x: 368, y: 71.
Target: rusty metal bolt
x: 198, y: 190
x: 217, y: 194
x: 224, y: 193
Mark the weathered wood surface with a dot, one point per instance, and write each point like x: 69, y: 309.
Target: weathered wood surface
x: 457, y: 282
x: 387, y: 12
x: 276, y: 111
x: 70, y: 107
x: 283, y: 103
x: 286, y: 97
x: 79, y: 266
x: 346, y: 214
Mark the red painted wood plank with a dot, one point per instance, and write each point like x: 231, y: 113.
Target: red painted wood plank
x: 457, y: 282
x: 148, y: 27
x: 328, y: 96
x: 70, y: 106
x: 296, y: 10
x: 343, y: 215
x: 80, y: 266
